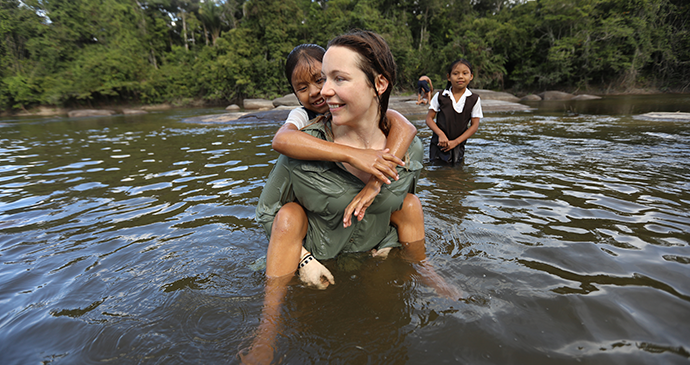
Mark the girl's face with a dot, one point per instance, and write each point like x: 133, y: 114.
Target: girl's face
x: 307, y: 82
x: 460, y: 77
x: 350, y: 97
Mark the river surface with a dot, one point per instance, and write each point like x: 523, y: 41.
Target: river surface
x: 132, y: 240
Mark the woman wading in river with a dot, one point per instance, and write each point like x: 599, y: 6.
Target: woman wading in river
x: 359, y: 69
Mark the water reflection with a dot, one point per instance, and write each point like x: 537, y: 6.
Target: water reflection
x: 132, y: 239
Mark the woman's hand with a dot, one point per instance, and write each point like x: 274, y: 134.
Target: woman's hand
x: 315, y: 275
x: 362, y: 201
x: 379, y: 163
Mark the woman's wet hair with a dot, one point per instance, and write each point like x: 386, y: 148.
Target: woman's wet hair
x: 307, y: 54
x: 455, y: 63
x: 375, y: 59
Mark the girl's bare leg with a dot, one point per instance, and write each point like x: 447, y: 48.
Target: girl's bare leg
x: 288, y: 231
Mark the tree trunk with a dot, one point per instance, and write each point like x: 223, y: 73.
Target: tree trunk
x: 184, y: 31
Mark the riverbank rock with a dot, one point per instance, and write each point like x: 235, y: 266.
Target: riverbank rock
x: 663, y: 116
x: 90, y: 113
x: 233, y: 108
x: 287, y: 100
x: 257, y: 104
x: 44, y: 111
x: 156, y: 107
x: 134, y: 111
x: 556, y: 95
x: 531, y: 97
x: 586, y: 97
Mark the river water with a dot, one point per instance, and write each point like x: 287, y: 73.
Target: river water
x: 131, y: 240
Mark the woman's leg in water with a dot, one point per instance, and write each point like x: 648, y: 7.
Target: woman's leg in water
x: 409, y: 221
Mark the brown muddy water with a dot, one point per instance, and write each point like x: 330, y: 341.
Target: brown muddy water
x: 131, y: 240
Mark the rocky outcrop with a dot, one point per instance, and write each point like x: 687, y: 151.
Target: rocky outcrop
x: 134, y: 111
x: 90, y: 113
x: 157, y: 107
x: 531, y: 97
x: 258, y: 104
x: 555, y: 95
x: 287, y: 100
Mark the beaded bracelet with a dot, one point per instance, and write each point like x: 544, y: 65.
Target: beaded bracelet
x: 305, y: 261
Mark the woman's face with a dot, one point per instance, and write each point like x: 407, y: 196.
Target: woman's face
x: 350, y: 97
x: 307, y: 82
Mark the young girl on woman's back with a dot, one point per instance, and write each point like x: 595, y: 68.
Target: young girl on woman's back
x: 458, y: 111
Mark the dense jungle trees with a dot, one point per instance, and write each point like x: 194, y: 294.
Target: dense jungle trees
x: 84, y: 52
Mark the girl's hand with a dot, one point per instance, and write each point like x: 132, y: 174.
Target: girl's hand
x: 442, y: 141
x: 379, y: 163
x: 361, y: 202
x: 450, y: 145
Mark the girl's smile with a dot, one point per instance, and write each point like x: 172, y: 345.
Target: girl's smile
x: 307, y: 83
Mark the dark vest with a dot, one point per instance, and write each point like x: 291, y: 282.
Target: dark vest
x: 453, y: 125
x: 311, y: 114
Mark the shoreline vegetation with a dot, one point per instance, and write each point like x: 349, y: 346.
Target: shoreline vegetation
x: 127, y: 54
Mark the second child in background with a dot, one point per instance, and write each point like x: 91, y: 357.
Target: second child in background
x: 424, y: 90
x: 457, y: 111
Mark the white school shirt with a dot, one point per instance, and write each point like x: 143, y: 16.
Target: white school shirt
x: 298, y: 117
x: 459, y: 105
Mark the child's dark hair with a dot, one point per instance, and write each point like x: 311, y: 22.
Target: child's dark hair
x: 452, y: 66
x: 308, y: 53
x: 375, y: 58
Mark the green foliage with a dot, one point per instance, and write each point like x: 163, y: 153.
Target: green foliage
x: 66, y: 52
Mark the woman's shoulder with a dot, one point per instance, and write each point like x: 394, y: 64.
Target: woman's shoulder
x: 319, y: 127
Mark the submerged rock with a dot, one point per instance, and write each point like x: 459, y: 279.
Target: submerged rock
x: 586, y: 97
x: 665, y: 116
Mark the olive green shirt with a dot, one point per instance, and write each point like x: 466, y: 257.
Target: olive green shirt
x: 325, y: 189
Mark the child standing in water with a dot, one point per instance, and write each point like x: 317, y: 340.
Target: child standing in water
x: 458, y: 111
x: 303, y: 71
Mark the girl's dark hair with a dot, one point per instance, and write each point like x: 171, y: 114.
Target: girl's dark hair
x: 375, y: 59
x: 307, y: 53
x: 452, y: 66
